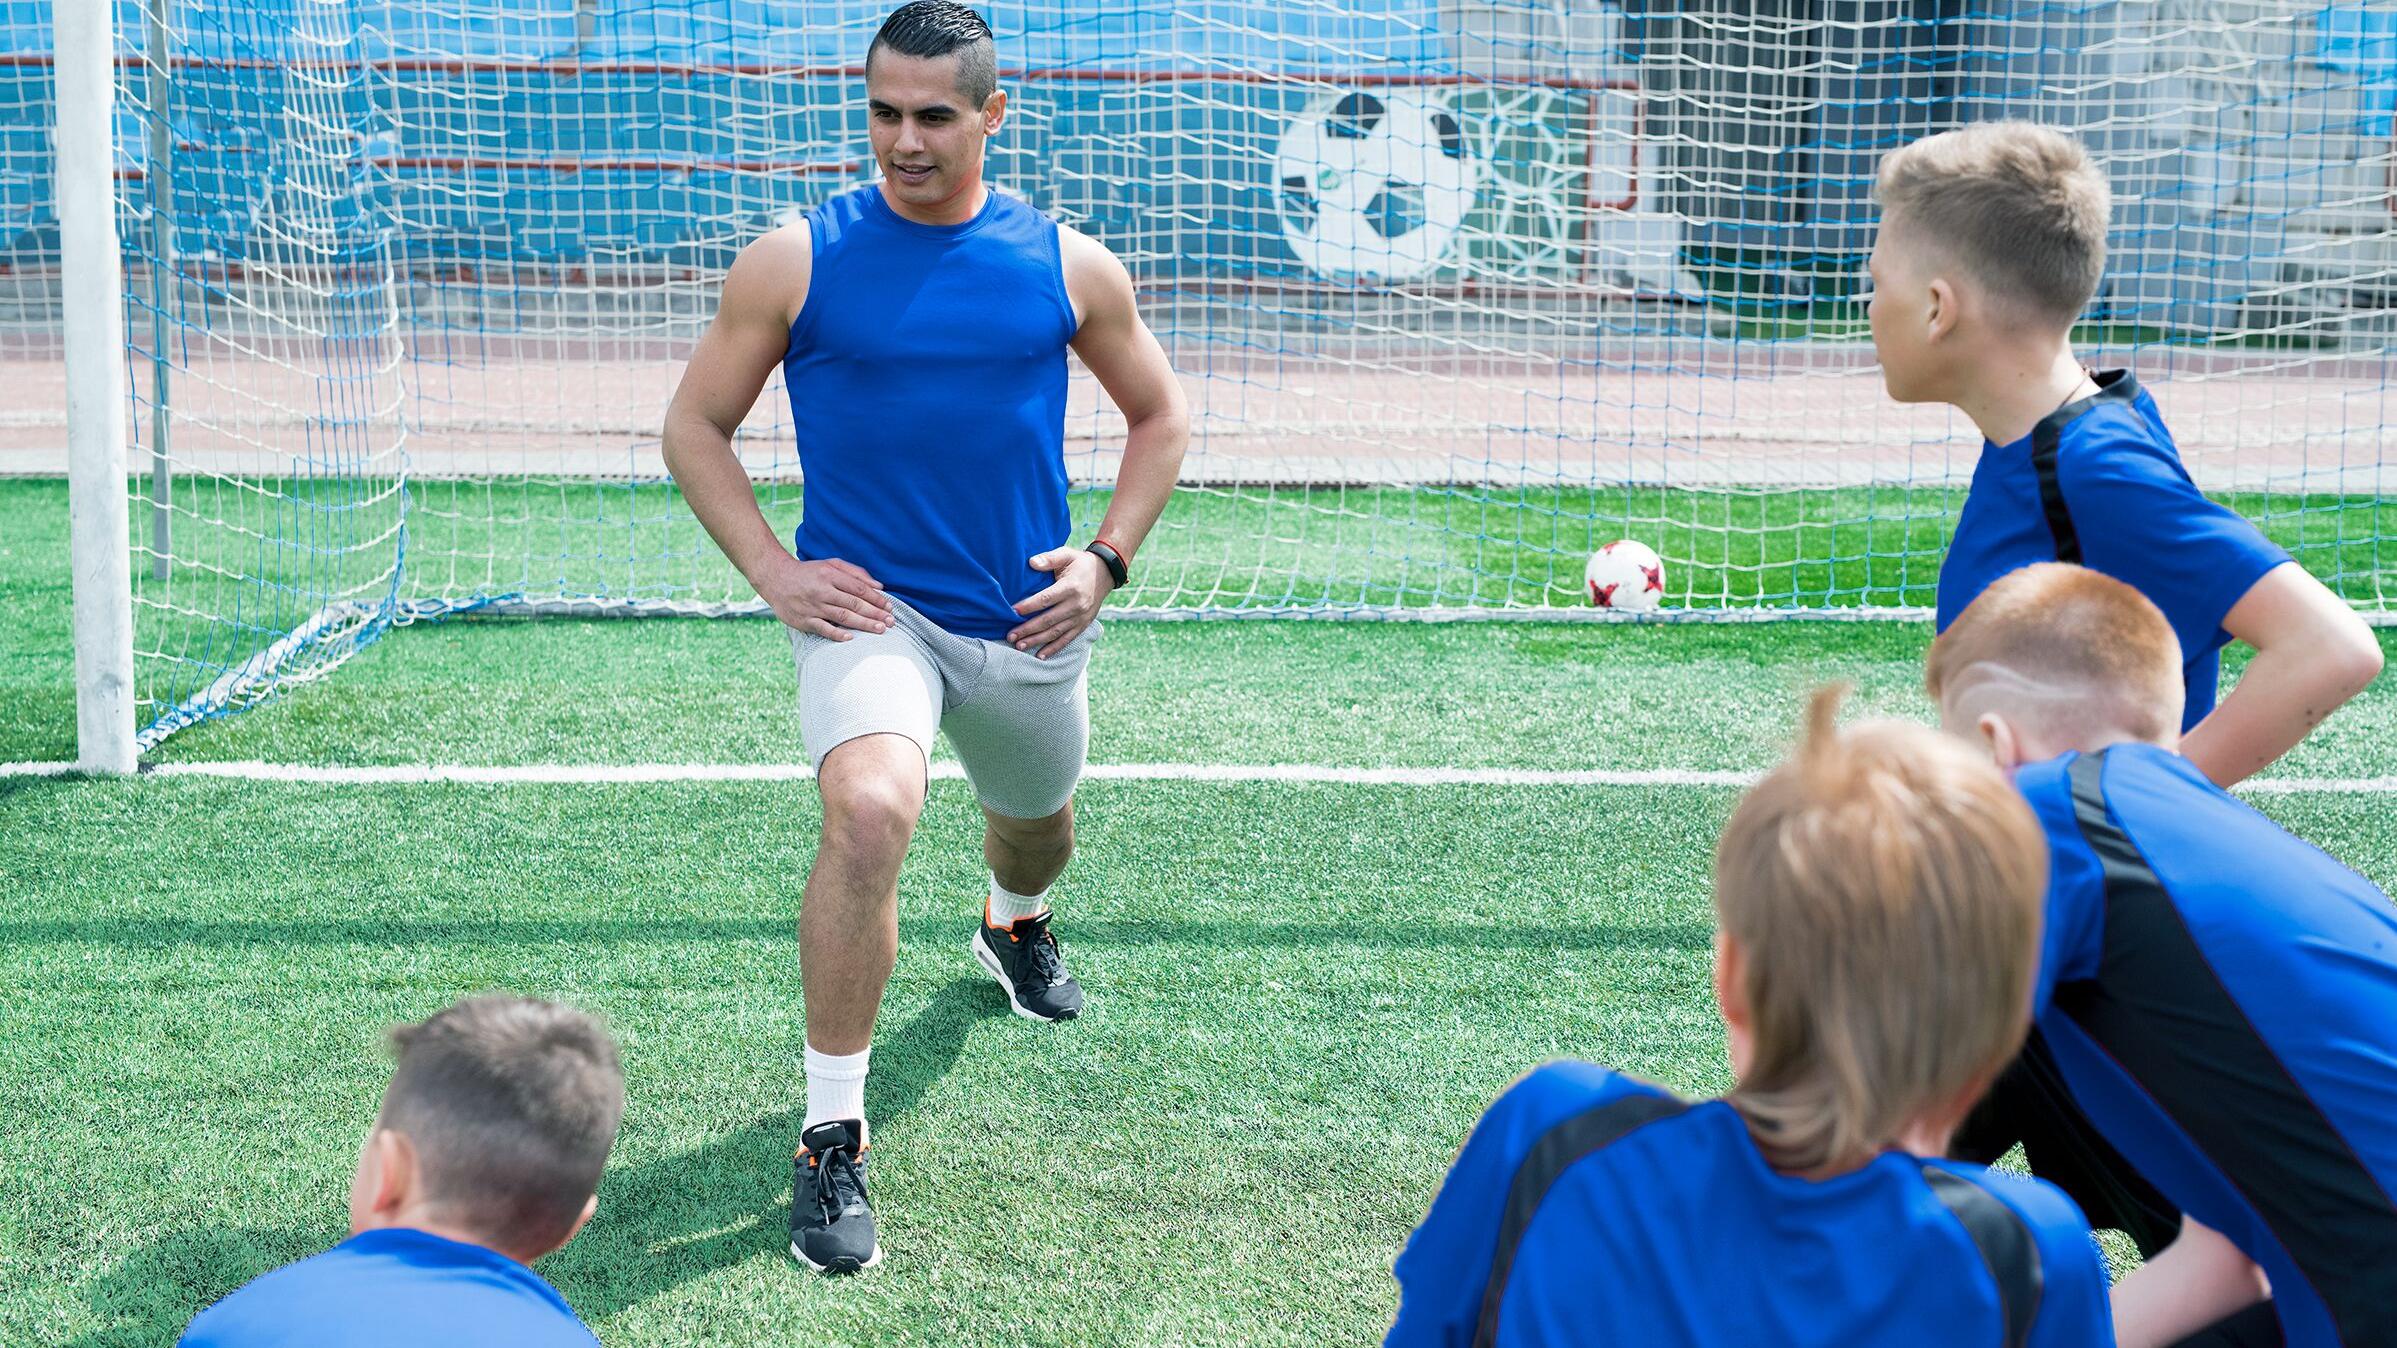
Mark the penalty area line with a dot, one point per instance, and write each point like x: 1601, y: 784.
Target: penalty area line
x: 637, y: 774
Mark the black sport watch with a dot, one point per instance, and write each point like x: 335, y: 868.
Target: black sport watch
x: 1107, y: 552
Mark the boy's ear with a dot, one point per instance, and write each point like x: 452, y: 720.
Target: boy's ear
x: 590, y: 1206
x: 387, y: 1179
x: 1941, y: 311
x: 2005, y: 747
x: 1730, y: 1001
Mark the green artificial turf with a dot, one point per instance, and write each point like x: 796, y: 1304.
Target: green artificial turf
x: 1279, y: 1061
x: 1301, y: 994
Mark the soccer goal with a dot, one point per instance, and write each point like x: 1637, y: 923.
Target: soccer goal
x: 352, y: 313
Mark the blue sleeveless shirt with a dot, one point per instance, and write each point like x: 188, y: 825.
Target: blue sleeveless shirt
x: 927, y: 376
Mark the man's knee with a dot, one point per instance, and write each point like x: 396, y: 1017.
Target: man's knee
x: 873, y: 794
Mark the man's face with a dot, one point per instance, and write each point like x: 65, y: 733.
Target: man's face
x: 927, y: 139
x: 1900, y: 314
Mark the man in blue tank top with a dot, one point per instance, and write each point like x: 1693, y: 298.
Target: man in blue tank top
x: 1807, y: 1206
x: 922, y: 326
x: 2217, y: 998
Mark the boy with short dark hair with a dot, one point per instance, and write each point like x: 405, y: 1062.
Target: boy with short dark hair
x: 2218, y: 998
x: 1803, y: 1208
x: 486, y: 1156
x: 1992, y: 241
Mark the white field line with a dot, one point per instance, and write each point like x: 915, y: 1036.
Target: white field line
x: 602, y: 774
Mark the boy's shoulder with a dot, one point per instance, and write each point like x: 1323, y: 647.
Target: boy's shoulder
x: 2037, y: 1247
x: 2120, y: 420
x: 2130, y: 786
x: 2044, y: 1210
x: 265, y: 1306
x: 1558, y: 1093
x: 393, y: 1286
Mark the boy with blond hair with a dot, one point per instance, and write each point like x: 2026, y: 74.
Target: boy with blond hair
x: 2218, y: 998
x: 1801, y: 1208
x: 485, y: 1156
x: 1992, y: 241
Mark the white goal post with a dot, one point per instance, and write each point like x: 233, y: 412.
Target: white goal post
x: 100, y: 535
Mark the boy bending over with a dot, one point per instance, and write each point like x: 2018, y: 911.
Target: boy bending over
x: 1879, y: 903
x: 2218, y: 997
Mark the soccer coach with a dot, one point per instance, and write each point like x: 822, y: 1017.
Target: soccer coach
x: 922, y: 325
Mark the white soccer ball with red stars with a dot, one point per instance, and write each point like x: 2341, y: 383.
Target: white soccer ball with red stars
x: 1627, y: 576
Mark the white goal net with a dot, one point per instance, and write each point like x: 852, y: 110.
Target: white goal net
x: 1460, y: 289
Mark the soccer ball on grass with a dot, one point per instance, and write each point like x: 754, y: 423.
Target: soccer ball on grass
x: 1627, y: 576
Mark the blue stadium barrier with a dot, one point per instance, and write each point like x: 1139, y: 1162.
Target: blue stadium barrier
x: 729, y: 32
x: 531, y: 30
x: 2362, y: 37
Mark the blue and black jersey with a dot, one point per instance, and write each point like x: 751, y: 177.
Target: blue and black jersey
x: 2220, y: 999
x: 1589, y: 1207
x: 2099, y: 482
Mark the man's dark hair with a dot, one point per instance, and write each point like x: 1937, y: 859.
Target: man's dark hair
x: 512, y: 1105
x: 930, y: 28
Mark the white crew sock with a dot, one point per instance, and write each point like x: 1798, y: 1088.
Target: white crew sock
x: 836, y: 1087
x: 1007, y: 908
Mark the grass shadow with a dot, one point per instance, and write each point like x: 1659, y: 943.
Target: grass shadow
x: 30, y: 785
x: 666, y: 1222
x: 149, y: 1297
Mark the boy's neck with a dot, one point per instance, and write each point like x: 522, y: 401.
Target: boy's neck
x: 423, y: 1220
x: 1921, y: 1138
x: 2006, y: 398
x: 1924, y: 1138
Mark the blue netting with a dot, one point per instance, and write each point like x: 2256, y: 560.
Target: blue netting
x: 413, y: 280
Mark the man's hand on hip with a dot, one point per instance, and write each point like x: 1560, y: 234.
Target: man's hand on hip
x: 828, y: 599
x: 1058, y: 614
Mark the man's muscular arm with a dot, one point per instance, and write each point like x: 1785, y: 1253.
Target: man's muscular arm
x: 728, y: 368
x: 1124, y: 356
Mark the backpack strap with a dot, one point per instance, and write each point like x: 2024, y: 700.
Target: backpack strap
x: 1549, y: 1158
x: 2006, y: 1245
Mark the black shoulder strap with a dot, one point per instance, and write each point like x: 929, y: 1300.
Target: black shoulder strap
x: 2047, y: 443
x: 2006, y: 1246
x: 1550, y: 1157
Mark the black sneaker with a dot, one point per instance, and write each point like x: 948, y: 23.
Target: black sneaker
x: 1024, y: 959
x: 832, y: 1229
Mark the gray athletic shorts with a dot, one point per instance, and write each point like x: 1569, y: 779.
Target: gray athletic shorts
x: 1020, y: 725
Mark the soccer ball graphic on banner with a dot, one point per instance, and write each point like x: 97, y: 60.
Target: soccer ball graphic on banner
x: 1375, y: 184
x: 1627, y: 576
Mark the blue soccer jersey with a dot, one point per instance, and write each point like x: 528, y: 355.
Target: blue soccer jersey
x: 2099, y: 482
x: 393, y: 1288
x: 1592, y: 1208
x: 2221, y: 999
